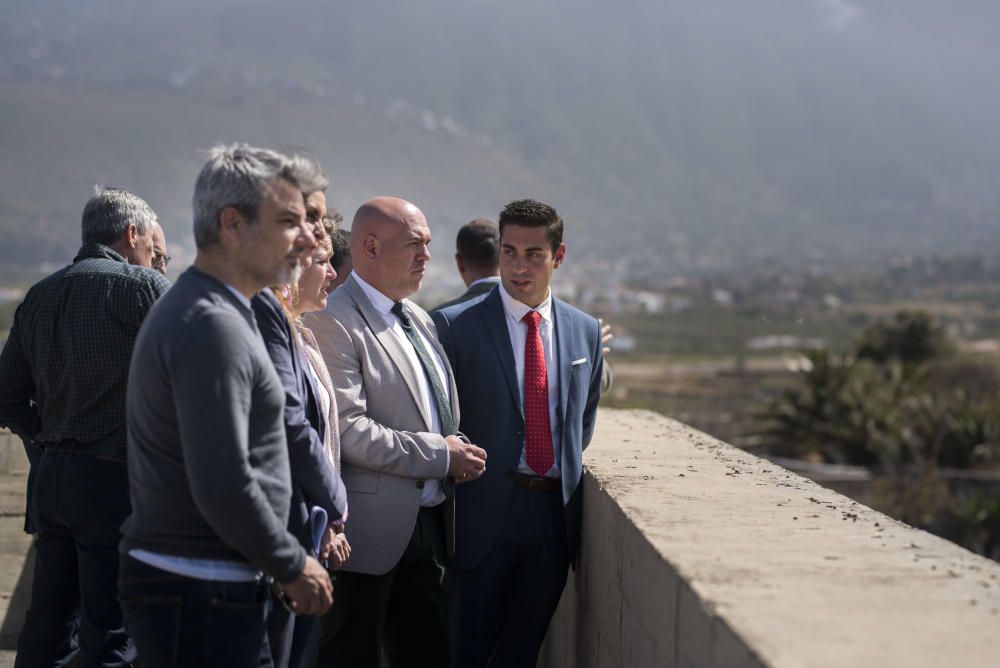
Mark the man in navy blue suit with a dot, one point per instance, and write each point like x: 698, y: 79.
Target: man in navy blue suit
x: 528, y: 370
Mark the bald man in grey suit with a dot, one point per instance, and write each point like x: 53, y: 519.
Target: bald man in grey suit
x: 398, y: 415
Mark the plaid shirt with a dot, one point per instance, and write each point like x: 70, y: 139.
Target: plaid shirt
x: 65, y: 364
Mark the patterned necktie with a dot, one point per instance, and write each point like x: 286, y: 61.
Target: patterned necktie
x: 437, y: 389
x: 537, y: 428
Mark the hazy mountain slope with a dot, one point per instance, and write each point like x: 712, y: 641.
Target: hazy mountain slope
x: 148, y: 139
x: 696, y: 133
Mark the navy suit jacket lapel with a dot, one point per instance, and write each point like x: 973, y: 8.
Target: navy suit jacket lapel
x: 495, y: 318
x: 561, y: 320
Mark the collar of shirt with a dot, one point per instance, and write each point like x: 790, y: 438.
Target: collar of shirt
x: 91, y: 249
x: 381, y: 303
x: 517, y: 310
x: 492, y: 280
x: 239, y: 295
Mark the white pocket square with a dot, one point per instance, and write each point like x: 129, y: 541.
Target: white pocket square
x: 582, y: 360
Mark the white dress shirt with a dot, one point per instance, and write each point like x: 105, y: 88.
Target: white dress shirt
x: 517, y: 329
x: 432, y: 493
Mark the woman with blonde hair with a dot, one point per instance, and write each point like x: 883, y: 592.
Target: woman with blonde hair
x: 312, y: 429
x: 306, y: 296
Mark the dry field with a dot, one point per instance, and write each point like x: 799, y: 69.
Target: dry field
x: 718, y: 396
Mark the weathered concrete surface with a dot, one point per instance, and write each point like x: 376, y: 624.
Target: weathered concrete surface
x: 698, y: 554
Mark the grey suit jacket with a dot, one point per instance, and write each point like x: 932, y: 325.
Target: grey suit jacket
x: 387, y: 449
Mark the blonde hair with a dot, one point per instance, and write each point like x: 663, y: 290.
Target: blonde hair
x: 288, y: 293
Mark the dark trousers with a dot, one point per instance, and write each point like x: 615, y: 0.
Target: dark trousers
x: 34, y: 454
x: 180, y: 621
x: 79, y: 502
x: 403, y: 612
x: 501, y: 609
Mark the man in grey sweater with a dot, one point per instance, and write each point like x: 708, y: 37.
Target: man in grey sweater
x: 207, y: 453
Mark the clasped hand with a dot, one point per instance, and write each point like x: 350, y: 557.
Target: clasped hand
x: 468, y: 461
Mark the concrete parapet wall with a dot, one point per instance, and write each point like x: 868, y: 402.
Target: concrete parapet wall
x: 12, y: 457
x: 696, y: 553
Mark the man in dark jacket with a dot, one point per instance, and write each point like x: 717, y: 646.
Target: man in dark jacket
x: 477, y: 256
x: 62, y: 386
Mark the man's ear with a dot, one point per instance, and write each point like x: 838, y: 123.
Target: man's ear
x: 131, y: 235
x: 230, y: 221
x: 560, y: 255
x: 459, y: 263
x: 370, y: 246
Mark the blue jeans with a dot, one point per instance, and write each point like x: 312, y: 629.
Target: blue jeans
x: 180, y: 621
x: 78, y: 502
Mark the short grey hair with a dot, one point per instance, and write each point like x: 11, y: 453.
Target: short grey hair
x: 110, y: 211
x: 237, y: 176
x: 308, y: 172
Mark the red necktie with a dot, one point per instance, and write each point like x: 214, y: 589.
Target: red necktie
x: 537, y: 429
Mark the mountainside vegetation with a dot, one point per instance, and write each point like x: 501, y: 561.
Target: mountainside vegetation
x: 903, y: 404
x: 697, y: 135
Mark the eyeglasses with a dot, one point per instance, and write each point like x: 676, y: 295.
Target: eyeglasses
x: 161, y: 260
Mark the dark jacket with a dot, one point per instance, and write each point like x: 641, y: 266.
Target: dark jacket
x: 473, y: 292
x: 315, y: 482
x: 476, y: 340
x: 66, y: 362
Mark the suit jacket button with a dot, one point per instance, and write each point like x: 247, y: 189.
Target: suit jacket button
x: 519, y: 431
x: 420, y: 484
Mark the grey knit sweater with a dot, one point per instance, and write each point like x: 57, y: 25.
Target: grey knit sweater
x: 207, y: 456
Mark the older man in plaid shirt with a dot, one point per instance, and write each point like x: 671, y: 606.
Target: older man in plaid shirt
x: 62, y: 386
